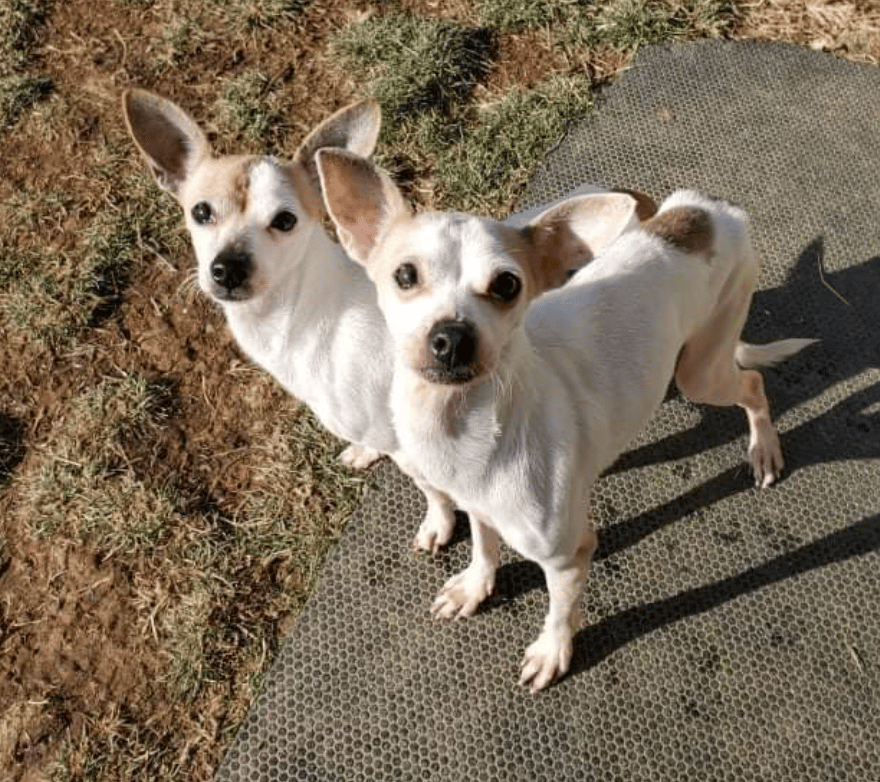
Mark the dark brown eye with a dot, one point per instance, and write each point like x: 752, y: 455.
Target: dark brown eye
x: 406, y: 276
x: 505, y: 287
x: 283, y: 221
x: 202, y: 212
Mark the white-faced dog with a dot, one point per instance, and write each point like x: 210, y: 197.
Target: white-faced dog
x: 294, y: 301
x: 513, y: 405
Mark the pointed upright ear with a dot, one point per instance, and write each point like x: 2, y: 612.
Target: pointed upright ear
x: 361, y: 199
x: 355, y: 128
x: 569, y: 235
x: 170, y: 140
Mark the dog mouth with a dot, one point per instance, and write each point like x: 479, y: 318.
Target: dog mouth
x: 457, y: 376
x: 226, y: 296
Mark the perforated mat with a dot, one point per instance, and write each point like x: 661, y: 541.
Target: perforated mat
x: 732, y: 634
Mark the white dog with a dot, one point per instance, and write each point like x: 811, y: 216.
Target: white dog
x: 514, y: 410
x: 294, y: 301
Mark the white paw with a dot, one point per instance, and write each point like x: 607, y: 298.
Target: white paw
x: 765, y: 455
x: 435, y: 530
x: 359, y: 457
x: 545, y: 660
x: 462, y: 594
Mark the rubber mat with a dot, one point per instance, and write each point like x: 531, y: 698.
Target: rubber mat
x: 731, y: 633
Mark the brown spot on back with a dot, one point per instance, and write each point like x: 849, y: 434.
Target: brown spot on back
x: 685, y: 227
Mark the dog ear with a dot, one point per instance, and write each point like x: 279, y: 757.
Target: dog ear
x: 569, y: 235
x: 361, y: 199
x: 355, y: 128
x: 170, y: 140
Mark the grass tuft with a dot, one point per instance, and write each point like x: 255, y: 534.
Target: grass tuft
x: 246, y: 109
x: 515, y: 15
x: 18, y: 93
x: 628, y: 25
x: 488, y: 167
x: 20, y: 21
x: 271, y: 14
x: 416, y: 64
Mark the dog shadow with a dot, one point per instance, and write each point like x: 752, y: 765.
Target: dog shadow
x: 839, y: 309
x: 596, y: 642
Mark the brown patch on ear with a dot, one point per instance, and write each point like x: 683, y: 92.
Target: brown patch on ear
x: 685, y: 227
x: 548, y: 253
x: 646, y: 207
x: 355, y: 128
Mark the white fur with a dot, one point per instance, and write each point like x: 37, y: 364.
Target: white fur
x: 576, y: 376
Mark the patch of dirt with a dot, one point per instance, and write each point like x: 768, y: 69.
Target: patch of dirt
x: 73, y: 648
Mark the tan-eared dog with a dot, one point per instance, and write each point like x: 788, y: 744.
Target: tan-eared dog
x: 510, y: 399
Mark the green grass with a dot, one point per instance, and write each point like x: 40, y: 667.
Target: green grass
x: 20, y: 22
x: 47, y: 297
x: 627, y: 25
x: 247, y: 109
x: 18, y: 93
x: 416, y: 64
x: 485, y: 170
x: 514, y: 15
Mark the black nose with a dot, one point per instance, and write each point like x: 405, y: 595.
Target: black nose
x: 453, y: 344
x: 231, y: 268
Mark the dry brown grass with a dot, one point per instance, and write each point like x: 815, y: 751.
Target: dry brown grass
x: 848, y: 29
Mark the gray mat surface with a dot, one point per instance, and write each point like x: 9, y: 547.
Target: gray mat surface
x: 731, y: 634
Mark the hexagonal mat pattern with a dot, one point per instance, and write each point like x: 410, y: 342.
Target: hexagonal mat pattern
x: 731, y: 633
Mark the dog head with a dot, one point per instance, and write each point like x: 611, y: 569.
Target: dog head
x: 454, y: 287
x: 250, y: 218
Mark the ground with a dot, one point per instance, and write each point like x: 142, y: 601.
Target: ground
x: 164, y: 507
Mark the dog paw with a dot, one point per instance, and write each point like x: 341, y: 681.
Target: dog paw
x: 546, y: 659
x: 463, y: 593
x: 765, y: 455
x: 435, y: 530
x: 359, y: 457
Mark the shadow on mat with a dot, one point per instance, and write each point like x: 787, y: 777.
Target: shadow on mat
x: 843, y: 432
x: 596, y: 642
x: 841, y: 313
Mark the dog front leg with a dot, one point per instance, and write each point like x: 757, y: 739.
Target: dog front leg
x: 550, y: 655
x: 465, y: 591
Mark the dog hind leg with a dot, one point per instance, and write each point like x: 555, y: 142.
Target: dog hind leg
x: 708, y: 372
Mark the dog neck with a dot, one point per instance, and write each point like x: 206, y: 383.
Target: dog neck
x: 474, y: 419
x: 289, y: 329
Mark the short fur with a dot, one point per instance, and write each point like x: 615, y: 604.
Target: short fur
x: 563, y: 382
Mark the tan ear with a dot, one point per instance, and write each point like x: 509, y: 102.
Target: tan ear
x: 361, y: 199
x: 569, y: 235
x: 646, y: 207
x: 355, y: 128
x: 170, y: 140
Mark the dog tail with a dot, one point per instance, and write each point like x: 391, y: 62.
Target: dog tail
x: 754, y: 356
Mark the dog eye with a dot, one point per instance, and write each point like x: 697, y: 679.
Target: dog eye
x: 505, y: 287
x: 202, y: 212
x: 406, y: 276
x: 283, y: 221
